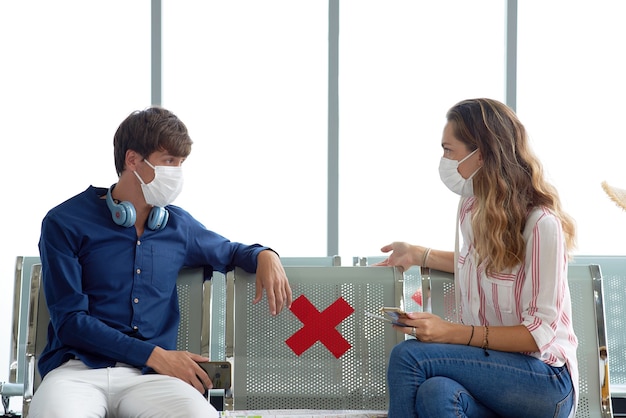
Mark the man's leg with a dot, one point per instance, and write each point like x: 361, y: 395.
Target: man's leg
x: 155, y: 395
x: 72, y: 390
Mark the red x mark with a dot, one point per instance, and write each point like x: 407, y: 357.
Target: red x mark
x: 319, y: 326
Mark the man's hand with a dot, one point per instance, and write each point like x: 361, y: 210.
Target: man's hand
x: 180, y: 364
x: 271, y: 276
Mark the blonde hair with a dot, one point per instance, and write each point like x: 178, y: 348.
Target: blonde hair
x: 509, y: 184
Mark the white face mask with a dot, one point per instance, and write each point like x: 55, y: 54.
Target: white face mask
x: 165, y: 187
x: 449, y: 173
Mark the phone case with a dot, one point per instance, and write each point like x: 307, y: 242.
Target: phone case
x: 219, y: 372
x: 394, y: 314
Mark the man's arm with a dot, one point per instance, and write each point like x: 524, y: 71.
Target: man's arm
x: 271, y: 276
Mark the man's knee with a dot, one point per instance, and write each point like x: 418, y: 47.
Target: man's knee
x: 51, y: 401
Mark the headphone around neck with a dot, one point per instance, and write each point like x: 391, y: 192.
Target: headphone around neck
x: 124, y: 214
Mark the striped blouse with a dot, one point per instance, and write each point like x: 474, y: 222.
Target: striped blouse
x: 535, y: 294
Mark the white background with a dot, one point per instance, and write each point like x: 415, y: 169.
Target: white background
x: 249, y: 78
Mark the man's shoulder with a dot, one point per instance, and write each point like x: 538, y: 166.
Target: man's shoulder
x: 91, y: 194
x: 178, y: 211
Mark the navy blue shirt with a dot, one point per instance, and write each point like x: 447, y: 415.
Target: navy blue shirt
x: 111, y: 295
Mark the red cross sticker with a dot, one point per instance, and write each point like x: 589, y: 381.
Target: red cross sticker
x: 319, y: 326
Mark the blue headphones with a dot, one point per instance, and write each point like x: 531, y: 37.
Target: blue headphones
x: 124, y: 214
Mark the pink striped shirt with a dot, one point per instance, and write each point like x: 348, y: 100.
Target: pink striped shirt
x: 534, y: 294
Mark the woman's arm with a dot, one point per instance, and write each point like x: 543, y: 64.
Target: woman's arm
x: 431, y: 328
x: 406, y: 255
x: 439, y: 260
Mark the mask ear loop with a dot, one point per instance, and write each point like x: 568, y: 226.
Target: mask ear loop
x: 468, y: 155
x: 154, y: 168
x: 137, y: 174
x: 475, y: 171
x: 139, y: 177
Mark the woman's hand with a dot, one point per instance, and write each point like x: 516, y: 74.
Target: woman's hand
x: 430, y: 328
x: 405, y: 255
x: 402, y: 255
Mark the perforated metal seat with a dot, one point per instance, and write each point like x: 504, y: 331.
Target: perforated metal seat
x: 416, y: 300
x: 280, y: 363
x: 216, y: 293
x: 585, y: 284
x: 23, y: 267
x: 189, y: 286
x: 17, y: 368
x: 614, y: 282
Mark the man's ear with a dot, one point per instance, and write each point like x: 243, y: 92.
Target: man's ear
x: 132, y: 159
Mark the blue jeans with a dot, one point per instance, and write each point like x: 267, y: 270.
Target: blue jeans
x: 429, y: 380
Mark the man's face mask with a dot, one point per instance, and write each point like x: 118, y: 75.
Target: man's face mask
x: 165, y: 187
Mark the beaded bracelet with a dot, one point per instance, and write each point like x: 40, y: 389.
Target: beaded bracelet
x: 486, y: 340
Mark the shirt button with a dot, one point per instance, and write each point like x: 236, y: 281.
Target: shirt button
x: 138, y: 242
x: 135, y: 327
x: 138, y: 271
x: 136, y: 300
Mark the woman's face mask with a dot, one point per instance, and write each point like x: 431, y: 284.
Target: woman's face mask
x: 449, y: 173
x: 165, y: 187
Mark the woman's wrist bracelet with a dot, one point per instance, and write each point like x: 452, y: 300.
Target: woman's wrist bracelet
x: 425, y: 257
x: 486, y: 340
x: 471, y: 336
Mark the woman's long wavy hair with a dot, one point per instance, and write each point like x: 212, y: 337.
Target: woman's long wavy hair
x: 509, y: 184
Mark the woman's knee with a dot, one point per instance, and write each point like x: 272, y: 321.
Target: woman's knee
x: 441, y: 396
x: 438, y: 388
x: 435, y: 395
x: 401, y: 353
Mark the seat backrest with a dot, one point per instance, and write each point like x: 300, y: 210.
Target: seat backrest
x: 214, y: 335
x: 191, y: 305
x: 323, y: 353
x: 613, y: 269
x: 415, y: 301
x: 23, y: 266
x: 219, y: 349
x: 585, y: 284
x: 334, y: 260
x: 189, y: 286
x: 36, y: 335
x: 438, y: 286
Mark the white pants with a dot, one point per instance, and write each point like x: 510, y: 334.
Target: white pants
x: 75, y: 390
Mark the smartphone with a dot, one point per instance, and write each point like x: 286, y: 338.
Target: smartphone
x: 219, y: 372
x: 394, y: 314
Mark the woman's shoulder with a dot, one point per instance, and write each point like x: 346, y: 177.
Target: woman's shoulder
x: 466, y: 204
x: 541, y: 217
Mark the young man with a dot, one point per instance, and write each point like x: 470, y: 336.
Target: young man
x: 110, y: 260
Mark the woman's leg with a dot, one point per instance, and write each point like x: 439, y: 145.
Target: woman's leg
x: 433, y: 400
x: 509, y: 384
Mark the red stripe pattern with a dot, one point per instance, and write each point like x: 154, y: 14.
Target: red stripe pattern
x: 534, y: 293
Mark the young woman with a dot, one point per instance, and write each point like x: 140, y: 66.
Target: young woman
x: 513, y: 353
